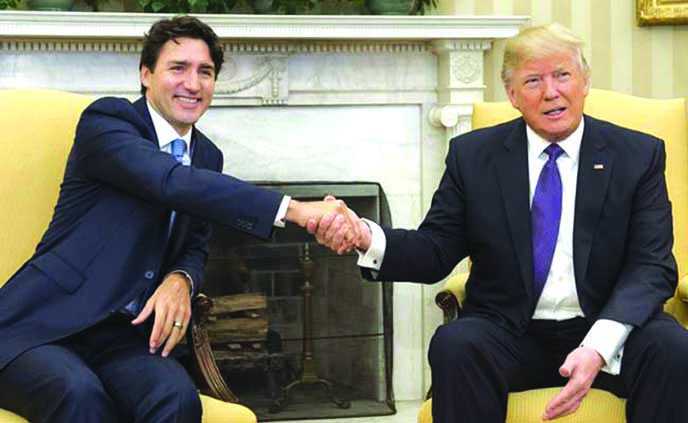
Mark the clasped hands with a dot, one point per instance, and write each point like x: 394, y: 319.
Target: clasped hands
x: 334, y: 225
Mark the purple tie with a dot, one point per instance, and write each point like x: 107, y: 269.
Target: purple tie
x: 178, y: 149
x: 545, y: 215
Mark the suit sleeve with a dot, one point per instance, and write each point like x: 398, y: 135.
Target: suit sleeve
x: 431, y: 252
x: 648, y: 275
x: 111, y: 146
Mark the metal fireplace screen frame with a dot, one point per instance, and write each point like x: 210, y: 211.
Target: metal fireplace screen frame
x: 273, y: 354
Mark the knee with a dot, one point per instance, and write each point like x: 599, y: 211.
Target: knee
x: 450, y: 346
x: 186, y: 398
x: 82, y: 390
x: 672, y: 353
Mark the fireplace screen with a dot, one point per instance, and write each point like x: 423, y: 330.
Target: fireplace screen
x: 297, y: 333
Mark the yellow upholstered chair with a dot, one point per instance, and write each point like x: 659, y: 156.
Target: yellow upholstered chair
x: 38, y: 127
x: 665, y: 119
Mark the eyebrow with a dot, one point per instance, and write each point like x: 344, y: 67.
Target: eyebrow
x: 187, y: 63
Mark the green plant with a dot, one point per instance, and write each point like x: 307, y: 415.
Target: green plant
x: 423, y: 5
x: 186, y: 6
x: 8, y: 4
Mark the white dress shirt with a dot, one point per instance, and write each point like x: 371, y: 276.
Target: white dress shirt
x: 559, y: 299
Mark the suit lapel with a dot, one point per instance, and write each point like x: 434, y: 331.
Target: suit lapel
x: 141, y: 107
x: 512, y: 174
x: 200, y: 155
x: 595, y: 167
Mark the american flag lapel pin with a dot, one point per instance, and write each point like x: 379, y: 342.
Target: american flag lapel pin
x: 598, y: 166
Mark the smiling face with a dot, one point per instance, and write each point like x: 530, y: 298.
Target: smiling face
x: 550, y: 93
x: 181, y: 86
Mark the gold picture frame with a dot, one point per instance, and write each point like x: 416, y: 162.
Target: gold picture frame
x: 662, y: 12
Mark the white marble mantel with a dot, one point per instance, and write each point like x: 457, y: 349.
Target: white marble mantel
x: 301, y: 98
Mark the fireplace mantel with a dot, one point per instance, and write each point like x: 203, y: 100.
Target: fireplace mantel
x: 131, y: 26
x: 301, y: 98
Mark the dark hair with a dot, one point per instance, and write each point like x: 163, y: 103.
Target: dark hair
x: 178, y: 27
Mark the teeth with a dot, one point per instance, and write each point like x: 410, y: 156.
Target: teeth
x: 188, y: 100
x: 554, y: 111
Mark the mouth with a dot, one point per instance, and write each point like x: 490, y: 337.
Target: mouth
x: 556, y: 112
x: 188, y: 100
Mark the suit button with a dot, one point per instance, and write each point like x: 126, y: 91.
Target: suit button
x: 149, y: 274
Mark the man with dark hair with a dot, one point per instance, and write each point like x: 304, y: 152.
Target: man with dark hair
x: 88, y: 322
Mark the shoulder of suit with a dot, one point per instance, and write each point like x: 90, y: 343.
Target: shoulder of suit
x: 491, y: 135
x: 614, y: 133
x: 114, y: 106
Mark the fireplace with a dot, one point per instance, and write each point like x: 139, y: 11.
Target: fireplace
x: 327, y: 348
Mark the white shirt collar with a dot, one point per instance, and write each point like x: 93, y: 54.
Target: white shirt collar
x: 165, y: 131
x: 571, y: 144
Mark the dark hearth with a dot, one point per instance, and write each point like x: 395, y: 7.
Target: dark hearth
x: 298, y: 333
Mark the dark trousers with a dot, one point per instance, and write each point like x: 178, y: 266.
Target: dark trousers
x: 476, y: 363
x: 103, y: 374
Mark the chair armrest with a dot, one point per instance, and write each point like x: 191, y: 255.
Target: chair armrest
x: 682, y: 289
x: 451, y: 297
x: 206, y: 374
x: 678, y: 305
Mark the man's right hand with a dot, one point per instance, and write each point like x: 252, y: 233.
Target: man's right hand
x: 332, y: 230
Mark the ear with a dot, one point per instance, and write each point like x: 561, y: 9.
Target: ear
x: 512, y: 95
x: 586, y: 87
x: 146, y: 76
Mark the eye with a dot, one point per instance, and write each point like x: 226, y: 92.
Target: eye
x: 532, y: 82
x: 563, y: 75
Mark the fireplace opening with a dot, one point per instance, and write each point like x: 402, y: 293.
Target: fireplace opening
x: 303, y: 336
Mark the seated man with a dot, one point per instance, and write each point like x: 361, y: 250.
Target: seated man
x: 88, y: 322
x: 568, y: 225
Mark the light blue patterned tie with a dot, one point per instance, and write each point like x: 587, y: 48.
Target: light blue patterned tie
x: 545, y: 216
x: 178, y: 149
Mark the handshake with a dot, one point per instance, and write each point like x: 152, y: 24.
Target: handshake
x: 332, y: 223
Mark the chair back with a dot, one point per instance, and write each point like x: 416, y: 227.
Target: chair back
x: 665, y: 119
x: 39, y: 131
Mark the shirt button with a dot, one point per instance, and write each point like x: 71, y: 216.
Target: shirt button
x: 149, y: 274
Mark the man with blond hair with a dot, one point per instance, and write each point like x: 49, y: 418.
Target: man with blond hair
x: 568, y: 225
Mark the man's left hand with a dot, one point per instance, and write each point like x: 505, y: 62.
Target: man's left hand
x: 172, y: 305
x: 581, y: 367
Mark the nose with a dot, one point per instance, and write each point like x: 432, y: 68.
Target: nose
x: 192, y: 82
x: 551, y: 89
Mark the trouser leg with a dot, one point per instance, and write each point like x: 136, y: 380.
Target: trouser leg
x: 654, y: 371
x: 475, y: 364
x: 51, y: 384
x: 145, y: 388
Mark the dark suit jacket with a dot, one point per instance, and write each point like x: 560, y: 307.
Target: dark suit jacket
x: 622, y: 239
x: 108, y: 238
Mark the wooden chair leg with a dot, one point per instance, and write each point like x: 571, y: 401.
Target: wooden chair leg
x: 207, y: 375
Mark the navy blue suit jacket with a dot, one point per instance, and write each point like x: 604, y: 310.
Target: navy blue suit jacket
x: 622, y: 235
x: 108, y: 238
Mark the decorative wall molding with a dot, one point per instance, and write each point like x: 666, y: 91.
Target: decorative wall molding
x: 102, y: 25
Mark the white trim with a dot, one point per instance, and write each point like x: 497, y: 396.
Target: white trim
x: 101, y: 25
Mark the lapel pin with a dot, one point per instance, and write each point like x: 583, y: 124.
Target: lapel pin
x: 598, y: 166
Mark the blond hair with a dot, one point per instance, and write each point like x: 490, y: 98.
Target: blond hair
x: 538, y: 42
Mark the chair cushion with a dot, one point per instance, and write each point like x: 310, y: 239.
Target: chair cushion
x: 214, y: 411
x: 527, y: 407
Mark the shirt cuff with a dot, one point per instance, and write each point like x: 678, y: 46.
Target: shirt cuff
x: 372, y: 259
x: 282, y: 212
x: 187, y: 276
x: 608, y: 337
